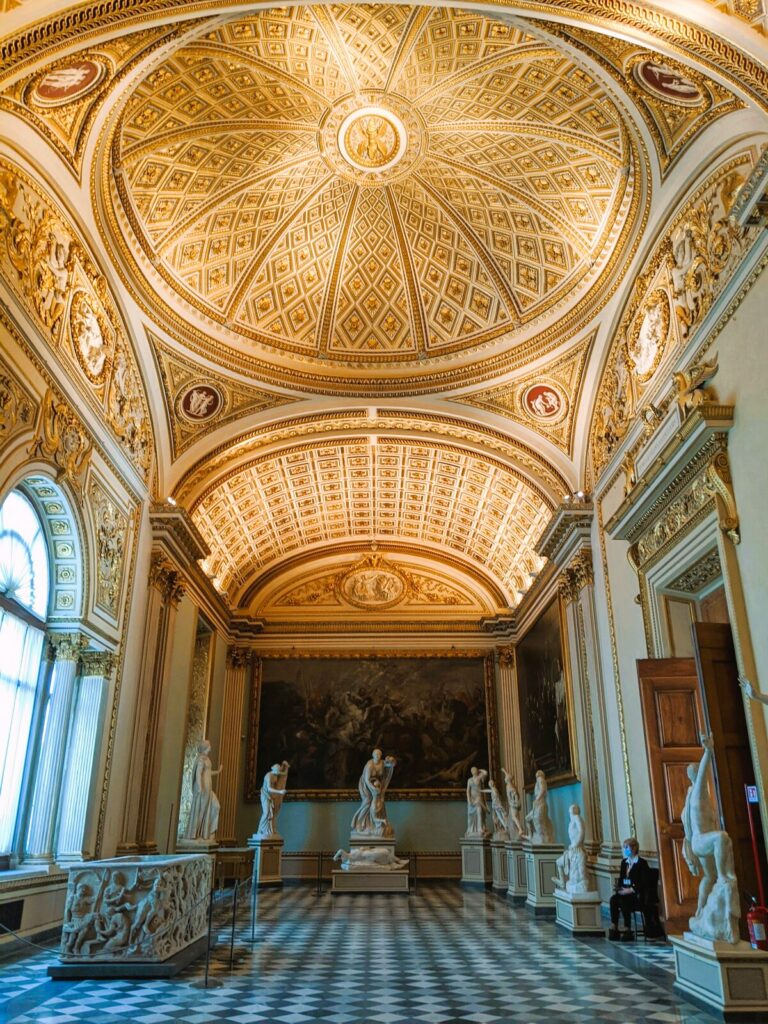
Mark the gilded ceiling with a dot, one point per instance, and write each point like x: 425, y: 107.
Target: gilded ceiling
x: 377, y: 256
x: 379, y: 187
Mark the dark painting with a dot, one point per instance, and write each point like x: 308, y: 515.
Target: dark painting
x: 326, y: 715
x: 544, y: 700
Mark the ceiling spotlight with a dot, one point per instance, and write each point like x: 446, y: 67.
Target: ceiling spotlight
x: 170, y: 501
x: 580, y: 495
x: 566, y: 498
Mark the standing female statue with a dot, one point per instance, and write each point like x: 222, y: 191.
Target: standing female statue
x: 477, y: 806
x: 272, y: 793
x: 204, y: 812
x: 371, y: 816
x: 542, y: 829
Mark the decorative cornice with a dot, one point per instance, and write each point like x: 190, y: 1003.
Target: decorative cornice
x: 174, y: 531
x: 570, y: 521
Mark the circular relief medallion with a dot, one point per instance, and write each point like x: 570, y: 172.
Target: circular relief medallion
x: 373, y: 587
x: 544, y: 402
x: 649, y: 335
x: 69, y: 82
x: 372, y: 139
x: 90, y: 337
x: 667, y: 83
x: 200, y: 402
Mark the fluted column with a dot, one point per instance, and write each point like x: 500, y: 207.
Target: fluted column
x: 164, y: 593
x: 509, y: 715
x: 81, y: 787
x: 46, y: 787
x: 230, y: 753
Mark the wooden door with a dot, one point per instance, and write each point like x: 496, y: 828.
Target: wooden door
x: 674, y: 720
x: 724, y: 715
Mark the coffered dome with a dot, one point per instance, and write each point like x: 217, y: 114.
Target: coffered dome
x: 371, y: 194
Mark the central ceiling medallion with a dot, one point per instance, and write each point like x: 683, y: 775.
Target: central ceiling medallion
x: 372, y: 139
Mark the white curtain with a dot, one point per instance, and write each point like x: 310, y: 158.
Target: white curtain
x: 21, y: 648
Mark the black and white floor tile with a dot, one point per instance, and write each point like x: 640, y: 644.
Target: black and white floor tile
x: 441, y: 956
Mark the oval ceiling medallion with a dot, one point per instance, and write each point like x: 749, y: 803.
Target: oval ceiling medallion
x: 199, y: 402
x: 545, y: 402
x: 68, y: 83
x: 373, y: 584
x: 667, y: 83
x: 380, y: 193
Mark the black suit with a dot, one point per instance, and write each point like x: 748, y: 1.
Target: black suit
x: 634, y: 877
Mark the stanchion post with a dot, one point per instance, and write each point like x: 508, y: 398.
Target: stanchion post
x: 415, y: 872
x: 319, y: 891
x: 208, y: 937
x: 234, y: 923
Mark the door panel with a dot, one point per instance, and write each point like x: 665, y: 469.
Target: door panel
x: 673, y: 718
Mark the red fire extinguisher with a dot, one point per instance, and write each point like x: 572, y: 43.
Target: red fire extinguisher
x: 757, y: 923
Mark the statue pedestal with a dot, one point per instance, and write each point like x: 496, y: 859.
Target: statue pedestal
x: 517, y: 872
x: 370, y: 880
x: 366, y: 841
x: 499, y: 865
x: 209, y: 846
x: 476, y: 866
x: 730, y: 979
x: 578, y: 912
x: 267, y: 860
x: 541, y: 869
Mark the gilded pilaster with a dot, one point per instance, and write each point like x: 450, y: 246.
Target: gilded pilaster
x: 230, y: 752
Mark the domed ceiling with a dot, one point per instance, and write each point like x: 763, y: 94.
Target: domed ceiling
x: 383, y: 191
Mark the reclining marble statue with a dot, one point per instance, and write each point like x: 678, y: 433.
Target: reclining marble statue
x: 515, y: 827
x: 477, y: 806
x: 369, y: 858
x: 272, y: 793
x: 204, y: 812
x: 370, y: 819
x: 572, y: 874
x: 542, y: 830
x: 708, y: 852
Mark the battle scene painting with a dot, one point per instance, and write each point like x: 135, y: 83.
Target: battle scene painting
x: 326, y: 715
x: 544, y: 701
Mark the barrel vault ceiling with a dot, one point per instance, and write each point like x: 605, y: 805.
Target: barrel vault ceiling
x: 370, y: 255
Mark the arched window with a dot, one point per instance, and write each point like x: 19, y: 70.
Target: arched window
x: 24, y: 589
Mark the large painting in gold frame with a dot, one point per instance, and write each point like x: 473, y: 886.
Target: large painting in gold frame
x: 545, y: 695
x: 325, y: 713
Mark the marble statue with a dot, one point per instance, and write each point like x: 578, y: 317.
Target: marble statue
x: 498, y: 813
x: 542, y: 830
x: 369, y: 858
x: 751, y: 692
x: 370, y: 819
x: 146, y: 909
x: 515, y: 827
x: 477, y: 807
x: 204, y: 811
x: 708, y: 852
x: 272, y: 793
x: 572, y: 874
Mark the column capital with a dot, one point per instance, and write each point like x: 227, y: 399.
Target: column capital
x: 164, y: 575
x: 582, y: 568
x: 97, y: 663
x: 567, y: 584
x: 238, y: 657
x: 506, y: 655
x: 67, y: 646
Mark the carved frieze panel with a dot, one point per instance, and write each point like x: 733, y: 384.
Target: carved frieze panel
x: 111, y: 527
x: 53, y: 276
x: 199, y: 400
x: 62, y: 440
x: 18, y: 407
x: 688, y: 269
x: 547, y: 400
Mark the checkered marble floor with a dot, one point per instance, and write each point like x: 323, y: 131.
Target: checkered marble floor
x: 438, y: 957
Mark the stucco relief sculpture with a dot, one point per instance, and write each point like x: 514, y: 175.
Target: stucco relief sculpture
x: 272, y: 793
x: 499, y: 817
x: 708, y: 852
x: 369, y: 858
x: 477, y: 806
x: 204, y: 812
x: 370, y: 819
x: 542, y: 830
x: 111, y: 535
x: 572, y: 873
x: 89, y: 337
x: 145, y: 909
x: 515, y: 825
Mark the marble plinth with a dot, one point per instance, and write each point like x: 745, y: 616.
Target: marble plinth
x: 730, y: 979
x: 364, y: 840
x: 476, y: 864
x: 267, y: 860
x: 134, y: 910
x: 370, y: 880
x: 517, y: 872
x: 578, y: 913
x: 209, y: 846
x: 541, y: 869
x: 500, y: 878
